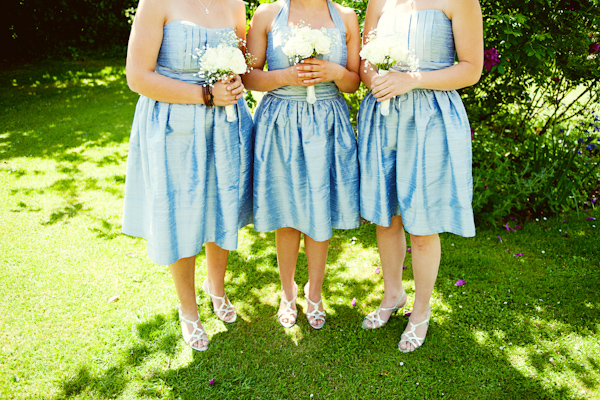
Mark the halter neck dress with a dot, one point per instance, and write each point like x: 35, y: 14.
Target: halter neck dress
x: 416, y: 162
x: 305, y: 163
x: 189, y: 171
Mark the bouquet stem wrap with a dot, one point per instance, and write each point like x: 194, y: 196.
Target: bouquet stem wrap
x: 230, y: 111
x: 311, y: 97
x: 385, y: 105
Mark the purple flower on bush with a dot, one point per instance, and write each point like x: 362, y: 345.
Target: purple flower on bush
x: 518, y: 254
x: 500, y: 239
x: 212, y: 381
x: 580, y: 140
x: 460, y: 282
x: 561, y: 130
x: 594, y: 47
x: 591, y: 218
x: 491, y: 58
x: 591, y: 147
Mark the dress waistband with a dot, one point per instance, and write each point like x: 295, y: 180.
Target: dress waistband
x: 427, y: 66
x: 185, y: 76
x: 323, y: 91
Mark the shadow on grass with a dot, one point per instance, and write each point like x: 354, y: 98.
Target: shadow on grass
x: 62, y: 111
x: 468, y: 345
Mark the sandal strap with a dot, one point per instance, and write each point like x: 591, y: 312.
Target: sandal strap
x: 316, y: 313
x: 224, y: 308
x: 288, y: 305
x: 374, y: 317
x: 196, y: 334
x: 410, y: 335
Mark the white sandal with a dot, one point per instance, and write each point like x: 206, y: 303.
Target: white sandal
x: 411, y: 338
x: 225, y: 307
x: 374, y: 317
x: 316, y: 313
x: 197, y: 334
x: 288, y: 312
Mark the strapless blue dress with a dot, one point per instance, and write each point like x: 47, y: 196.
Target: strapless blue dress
x: 416, y: 162
x: 189, y: 171
x: 305, y: 163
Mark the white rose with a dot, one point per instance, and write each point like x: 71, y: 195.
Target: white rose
x: 304, y: 49
x: 398, y: 53
x: 373, y: 52
x: 289, y: 49
x: 322, y: 43
x: 238, y: 62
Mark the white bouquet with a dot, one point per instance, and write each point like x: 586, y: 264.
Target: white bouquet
x: 386, y: 52
x: 305, y: 42
x: 219, y: 63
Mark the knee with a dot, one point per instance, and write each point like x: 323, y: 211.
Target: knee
x: 395, y: 225
x: 422, y: 242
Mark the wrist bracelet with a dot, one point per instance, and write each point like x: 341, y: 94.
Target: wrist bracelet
x: 205, y: 96
x: 210, y: 96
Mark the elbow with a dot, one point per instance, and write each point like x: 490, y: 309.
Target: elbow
x: 475, y: 78
x: 131, y: 82
x: 248, y: 83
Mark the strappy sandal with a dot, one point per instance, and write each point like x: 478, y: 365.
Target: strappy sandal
x: 288, y: 313
x: 316, y: 313
x: 197, y: 336
x: 225, y: 307
x: 374, y: 317
x: 411, y: 338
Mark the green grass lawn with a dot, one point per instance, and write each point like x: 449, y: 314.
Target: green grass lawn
x: 522, y: 327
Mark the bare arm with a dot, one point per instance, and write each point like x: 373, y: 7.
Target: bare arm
x: 374, y: 11
x: 467, y: 28
x: 142, y: 52
x: 346, y: 78
x: 258, y: 78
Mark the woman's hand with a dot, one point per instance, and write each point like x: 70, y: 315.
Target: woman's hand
x: 393, y: 84
x: 312, y: 71
x: 227, y: 92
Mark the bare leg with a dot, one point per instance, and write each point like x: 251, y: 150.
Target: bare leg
x: 426, y: 255
x: 287, y: 241
x: 182, y: 272
x: 216, y: 265
x: 391, y: 244
x: 316, y: 256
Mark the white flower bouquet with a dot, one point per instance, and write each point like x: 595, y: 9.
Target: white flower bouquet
x: 305, y: 42
x: 221, y: 62
x: 386, y: 52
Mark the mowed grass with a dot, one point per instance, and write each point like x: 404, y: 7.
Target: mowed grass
x: 522, y: 327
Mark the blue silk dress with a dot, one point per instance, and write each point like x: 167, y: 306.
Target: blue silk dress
x: 416, y: 162
x: 305, y: 162
x: 189, y: 171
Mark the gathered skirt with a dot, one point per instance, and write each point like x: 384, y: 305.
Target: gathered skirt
x: 189, y: 178
x: 305, y: 167
x: 416, y: 162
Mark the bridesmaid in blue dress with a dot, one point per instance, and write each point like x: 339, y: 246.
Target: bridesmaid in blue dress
x: 415, y: 163
x: 189, y: 171
x: 305, y: 162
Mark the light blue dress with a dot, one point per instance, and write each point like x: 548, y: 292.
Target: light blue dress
x: 189, y: 171
x: 305, y: 163
x: 416, y: 162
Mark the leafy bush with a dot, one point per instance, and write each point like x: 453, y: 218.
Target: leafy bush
x: 533, y: 108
